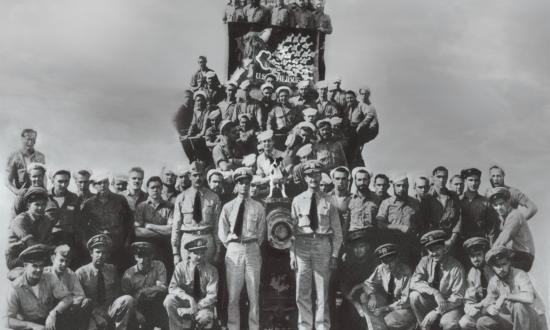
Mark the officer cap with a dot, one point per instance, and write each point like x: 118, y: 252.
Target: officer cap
x: 340, y: 169
x: 386, y: 250
x: 100, y: 240
x: 470, y: 172
x: 35, y: 193
x: 312, y: 167
x: 305, y: 151
x: 433, y: 237
x: 196, y: 245
x: 200, y: 93
x: 142, y: 248
x: 497, y: 253
x: 497, y: 193
x: 310, y: 112
x: 197, y: 167
x: 476, y: 242
x: 267, y: 85
x: 241, y: 173
x: 37, y: 252
x: 283, y: 88
x: 359, y: 235
x: 36, y: 166
x: 265, y: 135
x: 214, y: 114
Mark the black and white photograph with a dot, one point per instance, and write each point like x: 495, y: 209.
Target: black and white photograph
x: 274, y: 165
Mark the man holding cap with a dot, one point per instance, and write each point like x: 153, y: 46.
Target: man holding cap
x: 512, y: 302
x: 146, y: 282
x: 478, y: 217
x: 315, y: 250
x: 387, y: 291
x: 477, y: 280
x: 101, y: 284
x: 515, y: 231
x: 196, y: 215
x: 17, y: 170
x: 193, y: 290
x: 30, y: 227
x: 36, y: 300
x: 242, y: 230
x: 437, y: 285
x: 107, y: 212
x: 517, y: 197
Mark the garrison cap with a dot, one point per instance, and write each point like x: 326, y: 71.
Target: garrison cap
x: 386, y: 250
x: 305, y: 151
x: 361, y: 234
x: 214, y: 114
x: 476, y: 241
x: 196, y: 245
x: 433, y: 237
x: 36, y: 166
x: 35, y: 193
x: 265, y: 135
x: 324, y: 122
x: 101, y: 240
x: 142, y: 248
x: 498, y: 192
x: 267, y: 85
x: 310, y: 112
x: 312, y: 167
x: 497, y: 253
x: 283, y: 88
x: 242, y: 173
x: 340, y: 169
x: 200, y: 93
x: 470, y: 172
x: 212, y: 172
x: 197, y: 167
x: 37, y: 252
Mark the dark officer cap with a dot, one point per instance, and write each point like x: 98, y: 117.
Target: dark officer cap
x: 498, y: 192
x: 35, y: 193
x: 433, y: 237
x: 100, y: 240
x: 476, y: 242
x: 312, y: 166
x: 470, y: 172
x: 195, y: 245
x: 37, y: 252
x: 141, y: 248
x: 359, y: 235
x: 497, y: 253
x: 386, y: 250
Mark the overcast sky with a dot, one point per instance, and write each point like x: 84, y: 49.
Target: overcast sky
x: 459, y: 83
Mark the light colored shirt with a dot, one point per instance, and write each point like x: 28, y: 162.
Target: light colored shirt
x: 453, y: 279
x: 23, y: 301
x: 134, y: 199
x: 69, y: 280
x: 363, y: 211
x: 16, y: 167
x: 264, y: 164
x: 362, y: 114
x: 401, y: 212
x: 379, y: 281
x: 515, y: 233
x: 133, y: 281
x: 233, y: 14
x: 254, y: 223
x: 257, y: 14
x: 280, y: 16
x: 183, y: 280
x: 87, y: 275
x: 474, y: 291
x: 327, y: 215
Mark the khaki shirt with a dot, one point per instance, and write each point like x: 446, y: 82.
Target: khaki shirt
x: 329, y: 109
x: 329, y: 220
x: 363, y: 211
x: 134, y: 199
x: 280, y: 16
x: 515, y: 233
x: 69, y: 280
x: 87, y: 275
x: 254, y: 223
x: 379, y: 281
x: 474, y: 292
x: 453, y: 280
x: 133, y: 281
x: 183, y: 280
x: 16, y: 167
x: 23, y: 302
x: 396, y: 211
x: 148, y: 212
x: 281, y: 118
x: 257, y: 14
x: 264, y: 164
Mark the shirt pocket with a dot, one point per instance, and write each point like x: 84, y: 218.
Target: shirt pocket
x: 303, y: 219
x: 324, y: 214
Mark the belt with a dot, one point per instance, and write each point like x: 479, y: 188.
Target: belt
x: 314, y: 235
x: 204, y: 231
x: 243, y: 241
